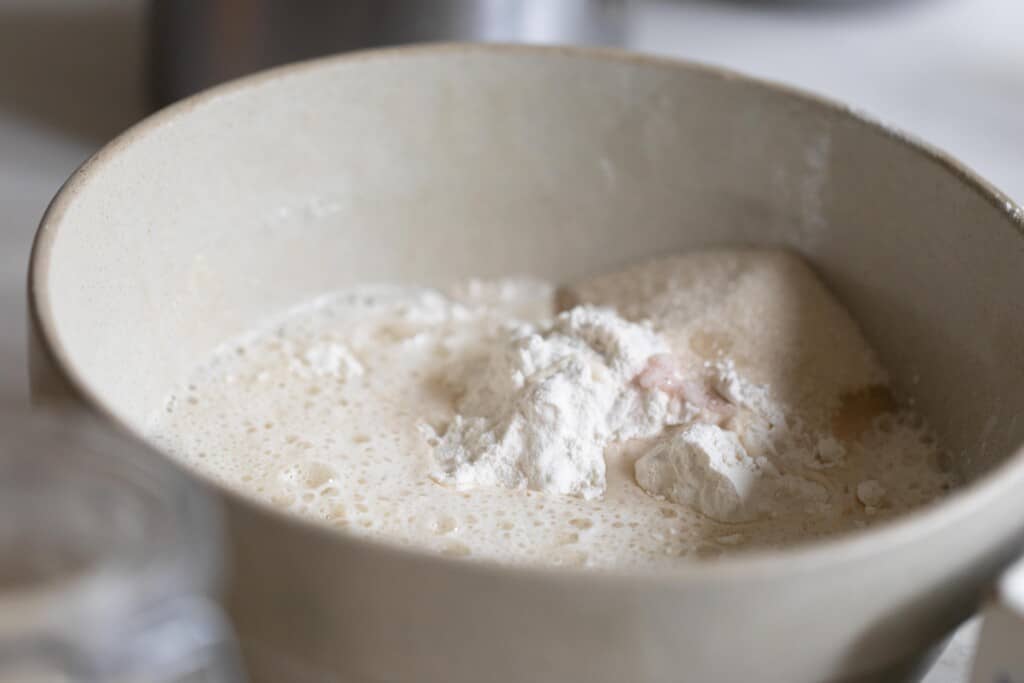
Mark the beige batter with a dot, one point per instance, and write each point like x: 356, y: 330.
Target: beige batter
x: 329, y: 414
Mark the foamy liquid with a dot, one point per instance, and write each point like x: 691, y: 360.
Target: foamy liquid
x: 318, y: 415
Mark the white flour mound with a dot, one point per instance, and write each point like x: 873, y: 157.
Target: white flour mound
x: 542, y: 404
x: 706, y: 467
x: 710, y: 469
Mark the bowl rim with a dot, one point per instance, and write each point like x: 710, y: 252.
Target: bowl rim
x: 914, y: 527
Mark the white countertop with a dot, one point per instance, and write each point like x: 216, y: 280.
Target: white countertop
x: 949, y: 71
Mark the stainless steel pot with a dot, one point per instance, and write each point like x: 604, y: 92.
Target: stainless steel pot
x: 427, y: 164
x: 195, y: 44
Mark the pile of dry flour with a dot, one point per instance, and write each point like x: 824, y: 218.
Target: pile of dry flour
x: 542, y: 403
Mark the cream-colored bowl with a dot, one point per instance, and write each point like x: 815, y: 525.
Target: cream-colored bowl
x: 428, y: 164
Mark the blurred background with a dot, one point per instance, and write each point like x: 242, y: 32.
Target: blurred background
x: 74, y: 73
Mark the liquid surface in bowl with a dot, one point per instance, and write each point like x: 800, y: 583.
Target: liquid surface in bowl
x: 341, y: 412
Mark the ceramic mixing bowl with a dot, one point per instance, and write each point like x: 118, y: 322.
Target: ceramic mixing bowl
x: 428, y: 164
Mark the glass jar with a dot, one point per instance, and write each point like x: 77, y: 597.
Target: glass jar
x: 109, y: 560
